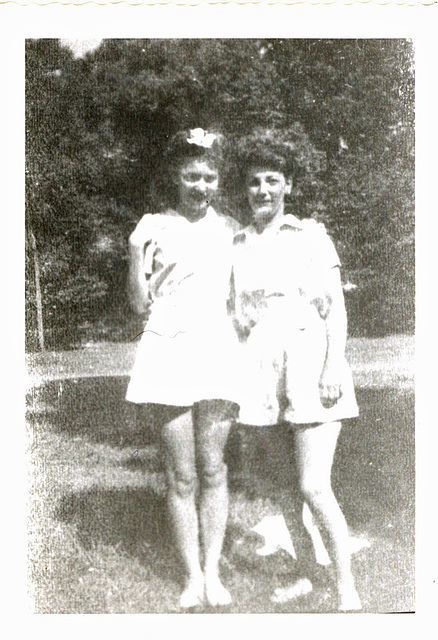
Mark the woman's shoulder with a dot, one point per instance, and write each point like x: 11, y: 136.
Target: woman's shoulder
x: 149, y: 219
x: 159, y: 220
x: 149, y: 225
x: 313, y: 226
x: 315, y: 231
x: 320, y: 243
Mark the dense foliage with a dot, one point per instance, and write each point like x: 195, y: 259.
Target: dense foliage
x: 96, y: 128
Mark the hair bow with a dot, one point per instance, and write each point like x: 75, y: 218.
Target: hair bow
x: 201, y: 138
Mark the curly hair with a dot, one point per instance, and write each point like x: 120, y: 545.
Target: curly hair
x: 288, y: 150
x: 268, y: 148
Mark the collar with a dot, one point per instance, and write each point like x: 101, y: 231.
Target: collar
x: 288, y: 220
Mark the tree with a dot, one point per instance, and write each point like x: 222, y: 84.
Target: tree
x: 97, y: 128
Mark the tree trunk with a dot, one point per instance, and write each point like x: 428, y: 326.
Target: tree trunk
x: 39, y: 302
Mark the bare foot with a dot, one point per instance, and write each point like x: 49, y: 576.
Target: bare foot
x: 193, y: 594
x: 300, y: 588
x: 348, y: 598
x: 215, y: 592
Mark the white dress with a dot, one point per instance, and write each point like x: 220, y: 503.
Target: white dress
x: 185, y: 352
x: 279, y: 302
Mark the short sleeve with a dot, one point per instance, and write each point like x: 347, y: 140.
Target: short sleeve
x: 145, y: 235
x: 323, y: 258
x: 323, y: 248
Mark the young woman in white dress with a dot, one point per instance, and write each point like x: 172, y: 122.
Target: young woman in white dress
x: 289, y: 314
x: 179, y: 275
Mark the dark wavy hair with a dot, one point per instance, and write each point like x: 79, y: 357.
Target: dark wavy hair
x: 287, y: 150
x: 271, y: 148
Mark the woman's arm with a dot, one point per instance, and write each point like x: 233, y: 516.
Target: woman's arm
x: 336, y: 331
x: 138, y: 289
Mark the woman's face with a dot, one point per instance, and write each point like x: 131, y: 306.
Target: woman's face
x: 266, y: 189
x: 197, y: 183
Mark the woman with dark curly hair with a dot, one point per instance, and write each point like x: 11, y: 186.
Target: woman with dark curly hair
x: 179, y: 274
x: 289, y: 314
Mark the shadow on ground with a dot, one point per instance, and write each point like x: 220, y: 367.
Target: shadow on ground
x: 374, y: 466
x: 373, y: 477
x: 94, y: 408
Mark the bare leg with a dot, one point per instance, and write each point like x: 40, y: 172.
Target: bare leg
x: 179, y: 449
x: 315, y: 449
x: 212, y: 428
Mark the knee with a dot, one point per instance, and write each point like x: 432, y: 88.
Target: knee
x: 213, y: 474
x: 315, y: 493
x: 183, y: 484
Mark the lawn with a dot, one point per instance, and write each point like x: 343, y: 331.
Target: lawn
x: 98, y: 536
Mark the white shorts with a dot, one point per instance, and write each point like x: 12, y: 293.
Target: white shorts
x: 281, y: 372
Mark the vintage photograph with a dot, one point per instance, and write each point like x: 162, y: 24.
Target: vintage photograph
x: 220, y: 316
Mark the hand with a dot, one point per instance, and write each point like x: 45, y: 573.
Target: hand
x: 330, y: 387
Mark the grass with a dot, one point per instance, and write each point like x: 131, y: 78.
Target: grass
x: 98, y: 535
